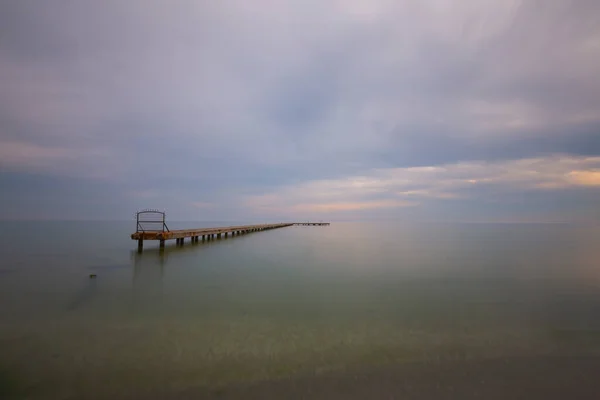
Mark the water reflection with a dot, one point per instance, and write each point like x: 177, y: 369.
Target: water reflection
x: 147, y: 287
x: 83, y: 296
x: 147, y: 261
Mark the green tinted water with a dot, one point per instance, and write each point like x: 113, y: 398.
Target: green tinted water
x: 283, y: 302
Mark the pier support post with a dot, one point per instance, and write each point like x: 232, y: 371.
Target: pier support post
x: 140, y: 245
x: 218, y: 236
x: 162, y: 244
x: 225, y: 235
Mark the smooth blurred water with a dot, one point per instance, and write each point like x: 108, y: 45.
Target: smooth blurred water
x: 284, y: 302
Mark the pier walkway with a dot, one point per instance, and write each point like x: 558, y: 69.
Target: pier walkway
x: 151, y: 225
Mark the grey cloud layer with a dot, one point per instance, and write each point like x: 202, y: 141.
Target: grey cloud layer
x: 193, y: 102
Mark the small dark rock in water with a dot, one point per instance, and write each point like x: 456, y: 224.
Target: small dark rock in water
x: 92, y: 276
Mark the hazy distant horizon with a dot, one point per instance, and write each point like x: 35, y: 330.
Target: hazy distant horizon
x: 267, y: 220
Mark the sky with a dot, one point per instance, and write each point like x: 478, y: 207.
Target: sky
x: 264, y: 110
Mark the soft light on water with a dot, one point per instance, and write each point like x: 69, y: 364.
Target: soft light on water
x: 283, y: 302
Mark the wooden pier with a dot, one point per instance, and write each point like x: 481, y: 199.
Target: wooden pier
x: 151, y: 225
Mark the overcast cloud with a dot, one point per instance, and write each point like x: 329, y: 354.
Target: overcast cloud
x: 330, y: 109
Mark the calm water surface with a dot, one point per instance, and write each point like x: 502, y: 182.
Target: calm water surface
x: 284, y: 302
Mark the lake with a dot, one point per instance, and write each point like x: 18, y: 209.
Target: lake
x: 301, y: 301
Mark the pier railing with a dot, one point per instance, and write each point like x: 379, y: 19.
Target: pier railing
x: 151, y: 221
